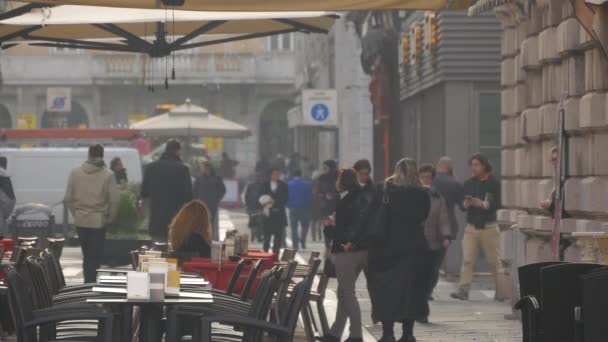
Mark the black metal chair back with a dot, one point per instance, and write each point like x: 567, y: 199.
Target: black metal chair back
x: 288, y: 255
x: 253, y: 275
x: 42, y: 297
x: 529, y: 278
x: 21, y: 306
x: 595, y: 306
x: 299, y: 296
x: 236, y: 275
x: 55, y: 267
x: 561, y: 289
x: 56, y: 246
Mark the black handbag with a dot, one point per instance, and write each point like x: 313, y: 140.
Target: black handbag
x: 377, y: 229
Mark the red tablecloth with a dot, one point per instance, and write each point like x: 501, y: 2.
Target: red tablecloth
x: 219, y: 274
x: 8, y: 245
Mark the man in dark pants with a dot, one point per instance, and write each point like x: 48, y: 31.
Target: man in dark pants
x: 210, y: 189
x: 92, y: 197
x: 168, y: 186
x: 276, y: 220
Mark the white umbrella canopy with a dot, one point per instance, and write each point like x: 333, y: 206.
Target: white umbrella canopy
x: 189, y: 120
x: 130, y: 29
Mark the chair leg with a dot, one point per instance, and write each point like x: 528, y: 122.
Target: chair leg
x: 312, y: 317
x: 323, y: 317
x: 310, y: 334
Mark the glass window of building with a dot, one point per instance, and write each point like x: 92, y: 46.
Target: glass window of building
x: 489, y: 128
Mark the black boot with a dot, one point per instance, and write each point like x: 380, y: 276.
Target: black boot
x: 328, y: 338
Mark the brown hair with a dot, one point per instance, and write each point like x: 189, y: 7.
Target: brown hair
x: 427, y: 168
x: 347, y: 180
x: 193, y: 218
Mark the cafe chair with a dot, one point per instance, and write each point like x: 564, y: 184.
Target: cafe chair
x: 29, y: 321
x: 317, y: 299
x: 259, y: 308
x: 592, y: 325
x: 251, y: 279
x: 288, y: 255
x: 55, y: 245
x: 283, y: 330
x: 555, y: 304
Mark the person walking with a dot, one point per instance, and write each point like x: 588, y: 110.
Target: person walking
x: 209, y: 188
x: 228, y: 167
x: 482, y: 200
x: 7, y: 195
x: 167, y: 186
x: 252, y: 195
x: 349, y: 255
x: 276, y: 218
x: 299, y: 204
x: 92, y: 197
x: 364, y: 171
x: 120, y: 172
x: 451, y: 190
x: 436, y: 229
x: 328, y: 196
x: 398, y: 273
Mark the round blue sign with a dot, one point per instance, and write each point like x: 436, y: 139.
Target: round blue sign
x: 319, y: 112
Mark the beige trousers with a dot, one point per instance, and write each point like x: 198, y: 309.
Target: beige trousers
x: 475, y: 239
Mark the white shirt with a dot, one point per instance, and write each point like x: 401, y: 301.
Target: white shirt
x: 274, y: 186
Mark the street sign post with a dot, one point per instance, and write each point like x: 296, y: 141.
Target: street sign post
x: 320, y: 107
x: 560, y: 176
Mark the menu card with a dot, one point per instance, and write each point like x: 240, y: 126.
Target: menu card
x: 138, y: 285
x: 173, y: 282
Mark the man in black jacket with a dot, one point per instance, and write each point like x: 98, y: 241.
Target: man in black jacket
x: 276, y: 220
x: 168, y: 186
x: 482, y: 200
x: 210, y: 189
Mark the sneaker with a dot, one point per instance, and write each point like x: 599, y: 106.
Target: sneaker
x: 461, y: 294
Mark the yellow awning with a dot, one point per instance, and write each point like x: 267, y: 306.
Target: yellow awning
x: 278, y: 5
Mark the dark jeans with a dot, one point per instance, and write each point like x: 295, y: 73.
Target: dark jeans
x: 299, y: 216
x: 435, y: 259
x: 91, y: 241
x: 278, y: 234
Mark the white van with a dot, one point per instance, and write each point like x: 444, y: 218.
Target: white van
x: 41, y: 174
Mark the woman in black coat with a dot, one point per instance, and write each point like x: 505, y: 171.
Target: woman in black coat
x: 349, y: 255
x: 397, y: 270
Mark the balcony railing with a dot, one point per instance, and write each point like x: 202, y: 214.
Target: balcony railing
x: 269, y: 67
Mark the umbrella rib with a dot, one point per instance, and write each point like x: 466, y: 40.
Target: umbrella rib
x: 22, y: 10
x: 141, y: 44
x: 233, y: 39
x: 301, y: 26
x: 199, y: 31
x: 74, y: 41
x: 19, y: 33
x: 86, y: 47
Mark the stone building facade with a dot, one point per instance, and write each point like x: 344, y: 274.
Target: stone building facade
x: 548, y: 57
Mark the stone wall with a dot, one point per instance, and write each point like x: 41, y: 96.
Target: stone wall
x: 547, y: 56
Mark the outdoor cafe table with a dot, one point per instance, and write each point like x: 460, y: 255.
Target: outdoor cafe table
x: 151, y: 311
x: 219, y: 274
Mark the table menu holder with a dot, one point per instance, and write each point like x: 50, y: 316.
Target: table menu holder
x: 138, y: 286
x: 157, y: 286
x: 173, y: 283
x: 216, y: 252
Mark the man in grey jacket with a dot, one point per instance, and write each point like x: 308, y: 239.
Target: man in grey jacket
x: 92, y: 198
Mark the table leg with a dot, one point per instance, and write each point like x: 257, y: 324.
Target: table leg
x: 150, y: 326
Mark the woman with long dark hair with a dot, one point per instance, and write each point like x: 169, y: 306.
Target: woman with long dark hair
x: 348, y: 253
x: 397, y: 272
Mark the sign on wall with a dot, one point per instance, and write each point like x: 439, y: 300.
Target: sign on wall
x: 213, y: 144
x: 320, y: 107
x: 26, y: 121
x: 58, y: 99
x: 133, y: 118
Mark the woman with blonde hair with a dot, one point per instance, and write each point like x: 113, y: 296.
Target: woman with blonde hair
x: 398, y: 274
x: 190, y: 231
